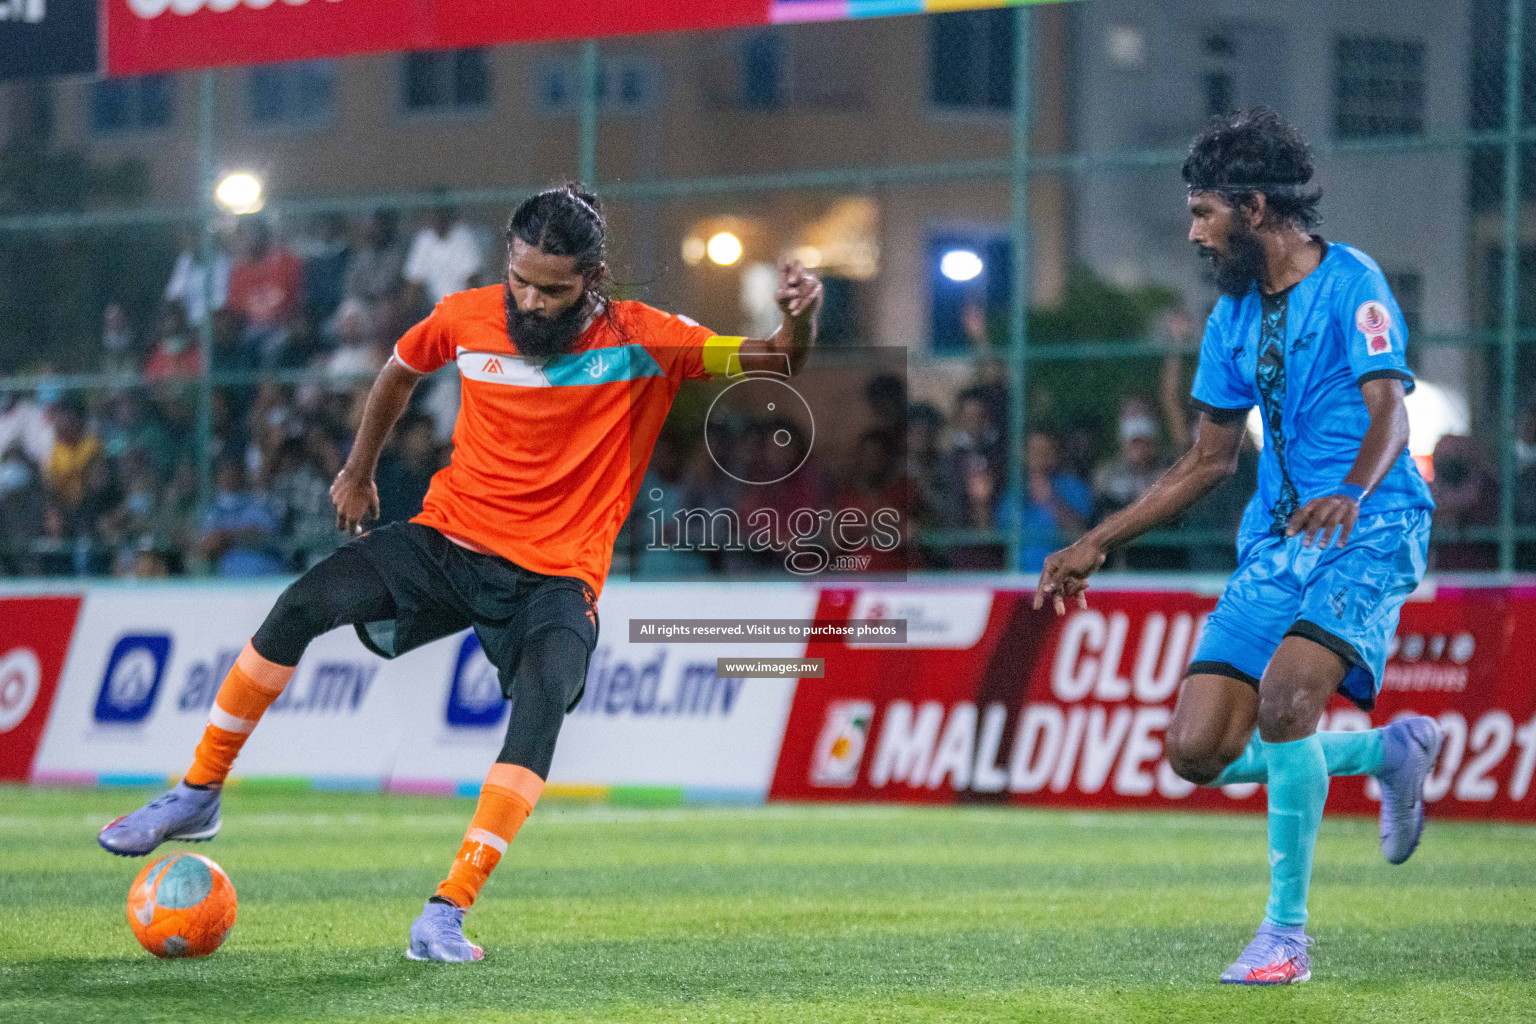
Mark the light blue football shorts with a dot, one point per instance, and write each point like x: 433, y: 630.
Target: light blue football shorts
x: 1346, y: 599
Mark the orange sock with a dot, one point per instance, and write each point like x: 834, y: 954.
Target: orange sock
x: 506, y: 800
x: 249, y: 689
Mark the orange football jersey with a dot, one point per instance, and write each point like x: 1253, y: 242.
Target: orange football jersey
x: 548, y: 452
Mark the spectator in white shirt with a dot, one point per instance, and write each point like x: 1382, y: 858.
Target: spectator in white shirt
x: 357, y: 350
x: 445, y: 256
x: 25, y: 423
x: 187, y: 280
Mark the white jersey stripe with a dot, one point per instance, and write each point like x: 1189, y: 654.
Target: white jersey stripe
x: 499, y: 368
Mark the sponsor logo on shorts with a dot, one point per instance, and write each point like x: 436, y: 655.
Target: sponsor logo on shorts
x: 21, y: 676
x: 132, y: 679
x: 474, y: 697
x: 155, y: 8
x: 1375, y: 323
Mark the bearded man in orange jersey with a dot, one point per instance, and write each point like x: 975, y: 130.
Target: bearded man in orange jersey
x: 564, y: 393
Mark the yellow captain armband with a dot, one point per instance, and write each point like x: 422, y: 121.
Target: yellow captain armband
x: 718, y: 353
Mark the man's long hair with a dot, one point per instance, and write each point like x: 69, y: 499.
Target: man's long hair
x: 568, y: 220
x: 1256, y: 151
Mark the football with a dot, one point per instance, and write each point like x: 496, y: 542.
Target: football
x: 181, y: 905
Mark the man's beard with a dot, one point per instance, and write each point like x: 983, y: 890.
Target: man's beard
x: 540, y: 336
x: 1237, y: 271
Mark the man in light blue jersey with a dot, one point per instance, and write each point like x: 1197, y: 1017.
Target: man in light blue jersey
x: 1332, y: 543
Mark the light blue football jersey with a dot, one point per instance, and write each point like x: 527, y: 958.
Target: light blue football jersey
x: 1300, y: 356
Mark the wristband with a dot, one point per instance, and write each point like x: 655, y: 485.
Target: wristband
x: 1353, y: 491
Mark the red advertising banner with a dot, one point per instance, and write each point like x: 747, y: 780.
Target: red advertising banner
x: 34, y: 639
x: 144, y: 36
x: 993, y: 702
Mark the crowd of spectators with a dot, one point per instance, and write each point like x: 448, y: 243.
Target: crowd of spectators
x: 333, y: 295
x: 1074, y: 475
x: 948, y: 474
x: 948, y: 468
x: 105, y: 482
x: 108, y: 485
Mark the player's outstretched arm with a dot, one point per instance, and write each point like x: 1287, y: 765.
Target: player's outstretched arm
x: 1211, y: 459
x: 799, y: 296
x: 354, y: 493
x: 1384, y: 441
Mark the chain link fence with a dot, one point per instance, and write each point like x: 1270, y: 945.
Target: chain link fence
x: 996, y: 191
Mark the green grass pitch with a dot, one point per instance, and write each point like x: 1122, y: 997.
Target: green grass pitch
x: 770, y: 914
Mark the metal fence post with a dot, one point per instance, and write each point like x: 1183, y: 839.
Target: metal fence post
x: 1514, y: 77
x: 208, y: 256
x: 1018, y: 301
x: 587, y: 82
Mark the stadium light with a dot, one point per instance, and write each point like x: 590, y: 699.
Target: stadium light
x: 961, y: 265
x: 1433, y: 412
x: 724, y: 249
x: 693, y: 250
x: 240, y: 192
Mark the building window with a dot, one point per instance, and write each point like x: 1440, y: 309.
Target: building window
x: 298, y: 92
x: 631, y: 86
x: 626, y: 84
x: 761, y: 84
x: 970, y: 283
x: 131, y: 104
x: 557, y: 87
x: 1219, y: 84
x: 802, y: 66
x: 446, y: 80
x: 971, y: 59
x: 1378, y: 87
x: 1241, y: 65
x: 1219, y: 93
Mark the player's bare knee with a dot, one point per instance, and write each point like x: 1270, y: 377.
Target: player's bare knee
x: 1194, y: 757
x: 1287, y: 712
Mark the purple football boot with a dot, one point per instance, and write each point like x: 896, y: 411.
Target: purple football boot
x: 1409, y: 749
x: 181, y: 813
x: 1276, y: 956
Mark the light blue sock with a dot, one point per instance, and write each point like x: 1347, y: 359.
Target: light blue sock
x: 1352, y: 753
x: 1250, y: 765
x: 1298, y: 788
x: 1347, y: 753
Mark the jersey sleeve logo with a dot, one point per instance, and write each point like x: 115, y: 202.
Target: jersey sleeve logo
x: 492, y: 365
x: 1375, y: 323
